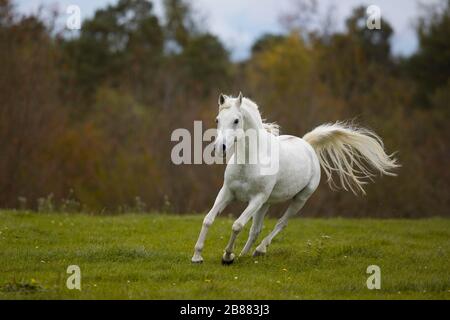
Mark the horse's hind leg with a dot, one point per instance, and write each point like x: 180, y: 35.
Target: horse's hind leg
x: 297, y: 203
x: 256, y: 228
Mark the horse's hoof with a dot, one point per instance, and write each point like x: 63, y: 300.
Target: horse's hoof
x: 197, y: 260
x: 258, y: 253
x: 228, y: 261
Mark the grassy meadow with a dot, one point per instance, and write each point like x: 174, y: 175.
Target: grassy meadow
x: 137, y: 256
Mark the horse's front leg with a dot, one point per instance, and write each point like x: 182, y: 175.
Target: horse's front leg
x: 223, y: 199
x: 254, y: 205
x: 255, y: 229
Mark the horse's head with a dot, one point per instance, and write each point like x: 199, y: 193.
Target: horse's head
x: 230, y: 124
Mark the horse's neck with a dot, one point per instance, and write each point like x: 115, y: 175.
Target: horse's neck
x: 252, y: 121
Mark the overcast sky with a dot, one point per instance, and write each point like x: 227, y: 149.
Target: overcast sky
x: 239, y: 22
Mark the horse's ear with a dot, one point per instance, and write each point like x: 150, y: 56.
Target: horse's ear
x: 222, y: 98
x: 239, y: 99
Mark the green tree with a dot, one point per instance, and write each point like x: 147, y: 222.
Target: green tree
x: 180, y: 23
x: 206, y: 63
x: 266, y: 41
x: 351, y: 61
x: 121, y: 41
x: 375, y: 43
x: 430, y: 66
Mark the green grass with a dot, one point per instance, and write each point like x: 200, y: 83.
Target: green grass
x: 148, y: 257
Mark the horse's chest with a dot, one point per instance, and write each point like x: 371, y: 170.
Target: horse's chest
x: 244, y: 185
x: 242, y: 190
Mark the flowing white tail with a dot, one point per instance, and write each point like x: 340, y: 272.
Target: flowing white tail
x: 351, y: 153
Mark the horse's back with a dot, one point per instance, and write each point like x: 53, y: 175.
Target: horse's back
x: 298, y: 166
x: 299, y: 146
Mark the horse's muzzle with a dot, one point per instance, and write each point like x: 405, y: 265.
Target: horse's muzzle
x: 224, y: 150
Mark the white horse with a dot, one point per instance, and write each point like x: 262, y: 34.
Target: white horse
x: 349, y: 152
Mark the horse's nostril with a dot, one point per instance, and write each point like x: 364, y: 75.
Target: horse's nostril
x: 223, y: 148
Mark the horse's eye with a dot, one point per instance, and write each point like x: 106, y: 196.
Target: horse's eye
x: 236, y: 121
x: 217, y: 120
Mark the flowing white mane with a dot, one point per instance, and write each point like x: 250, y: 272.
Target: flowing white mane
x: 253, y: 109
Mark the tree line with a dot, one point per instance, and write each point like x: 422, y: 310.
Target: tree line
x: 86, y: 118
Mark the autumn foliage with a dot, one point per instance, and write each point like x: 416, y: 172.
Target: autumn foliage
x: 86, y: 119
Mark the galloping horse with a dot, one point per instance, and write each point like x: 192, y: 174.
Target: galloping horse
x: 352, y: 153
